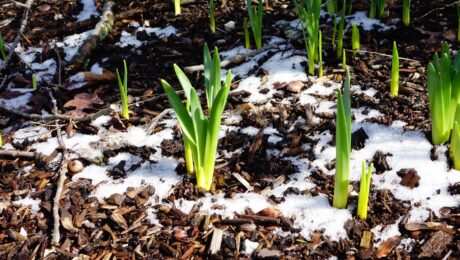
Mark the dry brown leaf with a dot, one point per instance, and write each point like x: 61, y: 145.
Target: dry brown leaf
x: 66, y: 220
x: 270, y: 212
x: 385, y: 249
x: 81, y: 102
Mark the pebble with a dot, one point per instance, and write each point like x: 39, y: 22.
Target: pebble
x: 229, y: 26
x: 249, y: 246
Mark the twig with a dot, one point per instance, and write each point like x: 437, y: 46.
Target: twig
x: 237, y: 59
x: 22, y: 28
x: 436, y: 9
x: 382, y: 54
x: 151, y: 126
x: 100, y: 32
x: 16, y: 153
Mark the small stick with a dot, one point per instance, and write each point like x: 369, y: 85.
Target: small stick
x: 237, y: 59
x: 16, y: 153
x: 382, y: 54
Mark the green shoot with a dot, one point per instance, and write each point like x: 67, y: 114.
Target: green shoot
x: 344, y: 60
x: 255, y: 18
x: 381, y: 7
x: 320, y: 42
x: 394, y: 72
x: 201, y: 132
x: 364, y: 187
x: 310, y: 15
x: 34, y: 82
x: 341, y: 28
x: 443, y: 81
x: 247, y: 42
x: 406, y: 12
x: 2, y: 47
x: 334, y: 31
x: 458, y: 22
x: 212, y: 16
x: 1, y: 140
x: 332, y: 6
x: 176, y: 7
x: 372, y: 10
x: 124, y: 90
x: 454, y: 146
x: 343, y: 145
x: 355, y: 39
x: 377, y: 8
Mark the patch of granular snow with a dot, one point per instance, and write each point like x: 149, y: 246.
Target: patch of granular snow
x: 128, y: 39
x: 88, y: 10
x: 34, y: 204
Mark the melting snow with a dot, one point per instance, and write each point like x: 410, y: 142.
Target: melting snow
x: 89, y: 9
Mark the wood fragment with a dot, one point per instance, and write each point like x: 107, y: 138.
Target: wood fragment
x: 243, y: 181
x: 366, y: 239
x: 216, y: 241
x: 386, y: 247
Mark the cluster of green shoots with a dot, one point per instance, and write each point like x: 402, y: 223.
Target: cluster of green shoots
x: 255, y: 18
x: 377, y: 8
x: 394, y: 85
x: 343, y: 145
x: 406, y: 12
x: 200, y: 132
x: 444, y: 93
x: 309, y: 14
x: 2, y: 48
x: 123, y: 85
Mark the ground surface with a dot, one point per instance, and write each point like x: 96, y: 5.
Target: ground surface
x: 133, y: 198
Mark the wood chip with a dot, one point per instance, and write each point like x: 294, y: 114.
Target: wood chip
x: 366, y: 239
x: 385, y: 249
x: 434, y: 247
x: 216, y: 241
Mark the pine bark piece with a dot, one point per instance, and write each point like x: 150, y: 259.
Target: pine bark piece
x: 100, y: 32
x: 385, y: 249
x: 436, y: 245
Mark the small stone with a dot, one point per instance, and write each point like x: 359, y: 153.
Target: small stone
x: 75, y: 166
x: 410, y: 178
x: 269, y: 254
x: 147, y: 192
x: 116, y: 199
x: 229, y: 26
x: 230, y: 242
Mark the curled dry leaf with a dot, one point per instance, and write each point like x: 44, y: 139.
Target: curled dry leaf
x: 429, y: 226
x: 385, y: 249
x: 270, y: 212
x: 66, y: 220
x: 82, y: 102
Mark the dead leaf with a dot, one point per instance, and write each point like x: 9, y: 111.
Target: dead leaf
x: 66, y: 220
x: 81, y: 102
x: 385, y: 249
x: 270, y: 212
x: 295, y: 86
x: 429, y: 226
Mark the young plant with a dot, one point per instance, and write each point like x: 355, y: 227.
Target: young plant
x: 458, y: 22
x: 343, y: 146
x: 377, y: 8
x: 1, y: 140
x: 2, y: 47
x: 123, y: 85
x: 201, y: 131
x: 372, y: 9
x: 247, y: 42
x: 443, y: 81
x: 34, y: 82
x: 364, y: 187
x: 212, y: 16
x: 406, y: 12
x: 344, y: 60
x: 355, y: 39
x: 332, y: 6
x: 310, y: 14
x: 394, y: 72
x: 255, y: 18
x: 455, y: 145
x: 176, y: 7
x: 340, y: 33
x: 320, y: 42
x: 334, y: 32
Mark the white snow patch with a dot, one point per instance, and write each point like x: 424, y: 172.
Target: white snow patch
x: 97, y: 69
x: 160, y: 32
x: 360, y: 18
x: 97, y: 174
x: 89, y: 9
x: 31, y: 134
x: 28, y: 201
x: 127, y: 39
x: 382, y: 233
x: 72, y: 42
